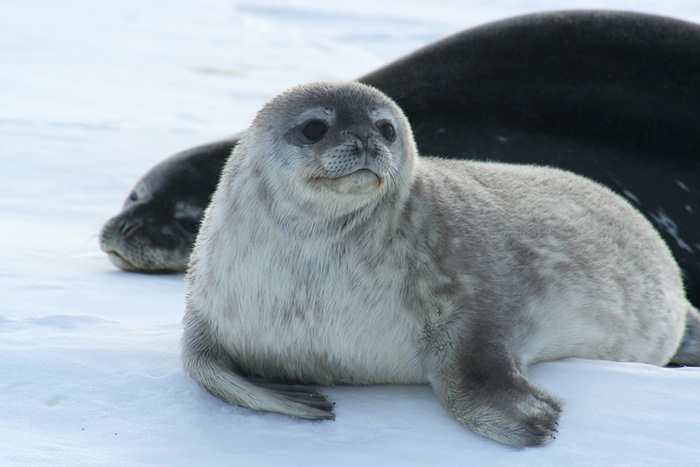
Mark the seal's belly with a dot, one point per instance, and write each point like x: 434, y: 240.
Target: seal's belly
x: 338, y: 329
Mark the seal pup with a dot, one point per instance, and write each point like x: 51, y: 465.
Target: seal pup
x: 332, y: 253
x: 618, y: 106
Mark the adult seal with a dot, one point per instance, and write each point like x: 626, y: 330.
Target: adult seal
x: 332, y: 253
x: 608, y: 95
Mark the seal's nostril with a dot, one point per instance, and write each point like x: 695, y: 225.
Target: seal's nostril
x: 128, y: 227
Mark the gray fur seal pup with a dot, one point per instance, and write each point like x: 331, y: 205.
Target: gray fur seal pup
x: 608, y: 95
x: 332, y: 253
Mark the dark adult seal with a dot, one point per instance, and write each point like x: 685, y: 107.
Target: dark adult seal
x: 609, y: 95
x: 332, y: 253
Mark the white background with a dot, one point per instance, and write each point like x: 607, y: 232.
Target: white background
x: 92, y: 94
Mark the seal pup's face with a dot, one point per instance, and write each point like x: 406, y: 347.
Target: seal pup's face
x: 331, y: 148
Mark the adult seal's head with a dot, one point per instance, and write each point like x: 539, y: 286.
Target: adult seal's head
x: 160, y: 218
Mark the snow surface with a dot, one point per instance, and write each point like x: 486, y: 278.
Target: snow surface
x: 92, y: 94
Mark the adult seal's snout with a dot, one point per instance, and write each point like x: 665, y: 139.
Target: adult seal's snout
x: 136, y: 241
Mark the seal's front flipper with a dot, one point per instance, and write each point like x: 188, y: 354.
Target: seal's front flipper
x: 495, y: 399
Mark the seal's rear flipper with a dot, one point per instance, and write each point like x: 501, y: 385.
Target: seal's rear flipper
x: 203, y: 359
x: 300, y: 394
x: 688, y: 354
x: 289, y: 399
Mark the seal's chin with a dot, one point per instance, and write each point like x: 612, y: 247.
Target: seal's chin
x: 119, y: 261
x: 125, y: 265
x: 362, y: 181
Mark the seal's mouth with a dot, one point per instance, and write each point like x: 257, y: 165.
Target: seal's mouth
x: 363, y: 172
x: 359, y: 176
x: 358, y: 182
x: 125, y: 265
x: 109, y: 245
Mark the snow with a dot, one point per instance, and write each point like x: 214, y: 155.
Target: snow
x: 95, y: 93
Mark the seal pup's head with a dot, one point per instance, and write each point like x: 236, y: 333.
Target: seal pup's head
x: 327, y: 148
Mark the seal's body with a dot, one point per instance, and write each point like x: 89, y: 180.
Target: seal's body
x: 333, y: 254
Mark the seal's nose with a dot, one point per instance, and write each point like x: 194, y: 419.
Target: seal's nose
x: 357, y: 144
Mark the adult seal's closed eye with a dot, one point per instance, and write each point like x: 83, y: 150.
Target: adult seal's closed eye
x: 332, y: 253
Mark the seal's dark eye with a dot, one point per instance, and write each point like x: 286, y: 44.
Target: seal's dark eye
x: 387, y: 130
x: 314, y: 130
x: 188, y: 217
x: 189, y: 225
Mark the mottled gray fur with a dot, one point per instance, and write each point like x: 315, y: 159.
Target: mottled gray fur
x: 352, y: 260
